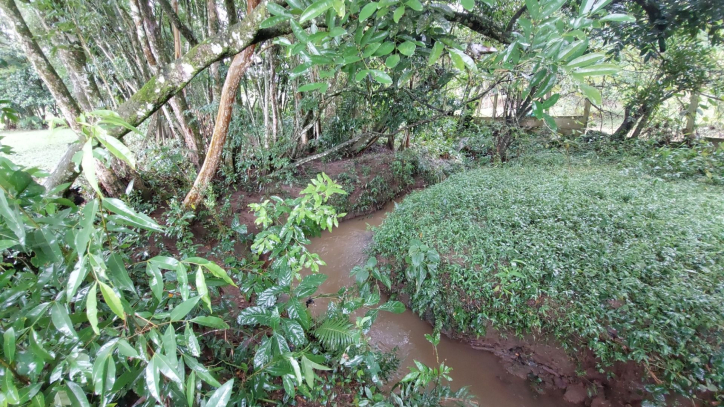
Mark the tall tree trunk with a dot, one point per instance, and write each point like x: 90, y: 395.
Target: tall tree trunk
x: 689, y: 131
x: 221, y: 127
x: 213, y: 30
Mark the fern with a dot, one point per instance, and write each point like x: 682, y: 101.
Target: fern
x: 335, y: 333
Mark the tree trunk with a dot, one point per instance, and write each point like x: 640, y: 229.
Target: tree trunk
x: 213, y: 30
x: 174, y: 77
x: 221, y: 127
x: 691, y: 116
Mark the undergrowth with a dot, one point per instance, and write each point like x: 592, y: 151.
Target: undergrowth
x: 630, y: 268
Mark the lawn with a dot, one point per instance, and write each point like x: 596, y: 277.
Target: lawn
x: 38, y: 148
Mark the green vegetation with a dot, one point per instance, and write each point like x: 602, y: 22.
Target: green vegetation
x: 39, y: 148
x: 624, y: 265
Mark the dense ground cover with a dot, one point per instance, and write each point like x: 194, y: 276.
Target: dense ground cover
x: 628, y: 266
x: 40, y: 148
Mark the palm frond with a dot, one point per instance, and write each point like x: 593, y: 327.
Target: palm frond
x: 335, y: 333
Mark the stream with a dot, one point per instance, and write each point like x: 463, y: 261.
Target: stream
x: 487, y: 380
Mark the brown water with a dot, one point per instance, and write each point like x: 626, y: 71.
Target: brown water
x: 482, y: 372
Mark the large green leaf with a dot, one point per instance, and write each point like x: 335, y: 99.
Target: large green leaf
x: 89, y: 166
x: 91, y: 306
x: 254, y: 316
x: 315, y: 9
x: 61, y: 320
x: 597, y: 70
x: 367, y: 11
x: 112, y: 300
x: 201, y: 371
x: 310, y: 284
x: 220, y: 397
x: 9, y: 344
x: 396, y: 307
x: 392, y: 61
x: 593, y: 94
x: 407, y: 48
x: 397, y: 15
x: 211, y: 322
x: 435, y: 53
x: 12, y: 218
x: 465, y: 58
x: 118, y: 149
x: 468, y: 5
x: 137, y: 219
x: 380, y: 76
x: 180, y: 311
x: 585, y: 60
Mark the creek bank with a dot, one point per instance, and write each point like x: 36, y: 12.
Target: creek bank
x: 548, y: 366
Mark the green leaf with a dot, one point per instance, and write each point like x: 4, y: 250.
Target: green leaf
x: 88, y: 165
x: 9, y: 344
x: 335, y: 333
x: 308, y: 367
x: 469, y: 5
x: 385, y: 49
x: 78, y: 394
x: 396, y: 307
x: 313, y: 86
x: 180, y: 311
x: 91, y: 308
x: 414, y: 4
x: 316, y: 9
x: 585, y: 60
x: 593, y: 94
x: 297, y: 370
x: 619, y: 18
x: 201, y: 371
x: 380, y: 76
x: 201, y: 287
x: 211, y: 322
x: 272, y: 21
x: 37, y: 348
x: 397, y: 15
x: 118, y: 149
x: 407, y: 48
x: 254, y: 316
x: 464, y: 58
x: 153, y: 378
x: 546, y: 85
x: 137, y: 219
x: 361, y: 75
x: 191, y: 389
x: 191, y: 341
x: 165, y: 367
x: 156, y: 281
x: 12, y: 218
x: 61, y: 320
x: 435, y: 53
x: 294, y: 332
x: 533, y: 9
x: 310, y: 284
x: 220, y: 397
x: 112, y: 299
x: 278, y: 10
x: 392, y: 61
x: 367, y: 11
x: 299, y: 32
x: 118, y: 274
x: 597, y: 70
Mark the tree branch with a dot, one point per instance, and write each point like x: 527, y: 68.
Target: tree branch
x: 180, y: 26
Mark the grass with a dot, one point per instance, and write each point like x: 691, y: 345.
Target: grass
x: 38, y: 148
x: 629, y: 267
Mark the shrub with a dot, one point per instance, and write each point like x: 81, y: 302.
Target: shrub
x: 702, y: 161
x: 629, y: 268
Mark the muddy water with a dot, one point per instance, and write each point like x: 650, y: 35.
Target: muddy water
x: 480, y: 371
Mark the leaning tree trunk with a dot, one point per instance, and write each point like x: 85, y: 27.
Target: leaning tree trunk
x: 221, y: 127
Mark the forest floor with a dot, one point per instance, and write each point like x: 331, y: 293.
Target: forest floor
x: 38, y: 148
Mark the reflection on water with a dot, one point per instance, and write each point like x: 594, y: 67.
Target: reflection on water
x: 480, y: 371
